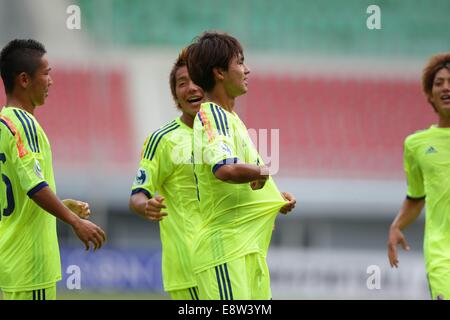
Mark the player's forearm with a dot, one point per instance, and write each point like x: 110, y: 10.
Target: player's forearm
x: 241, y: 173
x: 408, y: 213
x: 138, y: 202
x: 47, y: 200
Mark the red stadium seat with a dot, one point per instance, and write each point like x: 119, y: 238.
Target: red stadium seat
x: 342, y: 128
x: 86, y: 118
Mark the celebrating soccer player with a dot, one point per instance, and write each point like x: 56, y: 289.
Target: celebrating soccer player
x: 29, y: 254
x: 427, y: 167
x: 238, y: 198
x: 166, y: 168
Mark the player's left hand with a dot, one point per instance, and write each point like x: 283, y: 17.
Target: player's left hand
x: 291, y: 202
x: 80, y: 208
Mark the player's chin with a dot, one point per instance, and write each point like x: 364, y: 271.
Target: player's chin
x: 195, y: 107
x: 40, y: 101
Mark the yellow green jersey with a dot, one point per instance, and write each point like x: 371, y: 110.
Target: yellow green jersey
x: 427, y: 167
x: 29, y: 252
x: 166, y: 168
x: 235, y: 220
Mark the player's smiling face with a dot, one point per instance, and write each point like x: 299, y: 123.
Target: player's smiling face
x: 189, y: 95
x: 236, y: 77
x: 40, y: 83
x: 440, y: 93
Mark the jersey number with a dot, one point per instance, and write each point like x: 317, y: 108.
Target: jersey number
x: 9, y: 193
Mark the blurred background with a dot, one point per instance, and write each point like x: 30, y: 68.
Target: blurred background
x: 342, y: 96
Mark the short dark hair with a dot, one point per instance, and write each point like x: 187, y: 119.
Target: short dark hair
x: 19, y: 56
x: 179, y: 63
x: 211, y: 50
x: 436, y: 63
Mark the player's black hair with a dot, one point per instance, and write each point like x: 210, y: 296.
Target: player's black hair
x: 211, y: 50
x: 19, y: 56
x: 434, y: 65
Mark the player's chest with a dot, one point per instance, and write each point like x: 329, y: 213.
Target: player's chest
x: 245, y: 146
x: 179, y: 148
x: 434, y: 157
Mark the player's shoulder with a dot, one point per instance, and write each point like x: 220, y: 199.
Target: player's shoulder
x: 418, y: 139
x: 211, y: 115
x: 418, y: 136
x: 211, y: 108
x: 160, y: 137
x: 15, y: 119
x: 165, y: 130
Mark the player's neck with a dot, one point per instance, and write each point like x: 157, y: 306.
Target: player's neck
x: 19, y: 103
x: 187, y: 120
x: 444, y: 121
x: 222, y: 99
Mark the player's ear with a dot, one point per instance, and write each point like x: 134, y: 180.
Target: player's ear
x: 23, y: 80
x: 218, y: 73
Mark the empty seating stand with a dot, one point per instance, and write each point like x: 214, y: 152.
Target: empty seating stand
x: 86, y: 118
x: 339, y: 128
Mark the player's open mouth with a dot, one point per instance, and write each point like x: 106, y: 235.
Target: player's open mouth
x: 194, y: 99
x: 445, y: 98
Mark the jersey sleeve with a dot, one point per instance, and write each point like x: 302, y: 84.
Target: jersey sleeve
x: 18, y: 154
x: 155, y: 166
x: 414, y: 175
x: 218, y: 146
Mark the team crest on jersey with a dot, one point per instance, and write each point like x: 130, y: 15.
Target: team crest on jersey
x: 37, y: 169
x: 141, y: 177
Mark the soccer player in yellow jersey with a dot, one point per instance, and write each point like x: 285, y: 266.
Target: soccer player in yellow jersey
x: 166, y: 168
x: 29, y: 254
x: 427, y: 167
x: 238, y: 198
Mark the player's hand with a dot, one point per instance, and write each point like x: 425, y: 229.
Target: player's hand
x: 291, y: 202
x: 88, y: 233
x: 153, y: 209
x: 395, y: 237
x: 80, y: 208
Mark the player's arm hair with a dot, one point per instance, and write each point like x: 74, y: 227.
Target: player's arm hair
x: 241, y: 173
x: 137, y: 203
x: 49, y: 201
x: 408, y: 213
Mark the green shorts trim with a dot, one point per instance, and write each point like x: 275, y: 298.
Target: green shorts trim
x: 48, y: 293
x: 245, y: 278
x: 184, y: 294
x: 439, y: 285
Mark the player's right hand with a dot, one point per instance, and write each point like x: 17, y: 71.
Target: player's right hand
x: 88, y: 233
x: 395, y: 237
x: 153, y: 209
